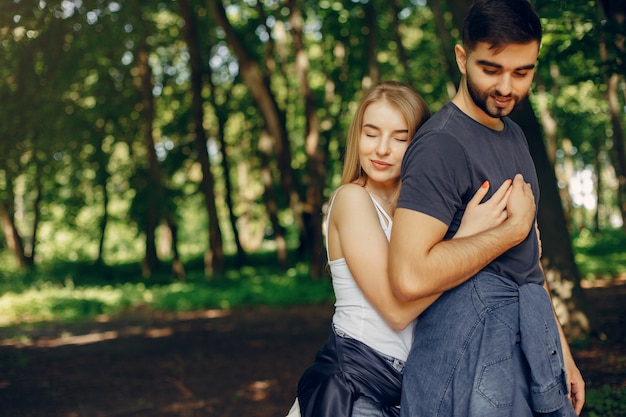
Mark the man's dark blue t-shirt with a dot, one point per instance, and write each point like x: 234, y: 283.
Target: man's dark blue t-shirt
x: 447, y: 162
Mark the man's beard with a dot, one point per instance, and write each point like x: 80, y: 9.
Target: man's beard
x: 481, y: 98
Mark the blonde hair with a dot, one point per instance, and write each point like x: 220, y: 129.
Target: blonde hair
x: 404, y: 99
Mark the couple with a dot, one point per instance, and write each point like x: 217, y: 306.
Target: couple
x: 488, y: 342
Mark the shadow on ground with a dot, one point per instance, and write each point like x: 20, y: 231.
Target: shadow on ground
x: 241, y: 363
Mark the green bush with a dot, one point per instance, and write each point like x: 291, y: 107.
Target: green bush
x: 600, y: 256
x: 605, y: 402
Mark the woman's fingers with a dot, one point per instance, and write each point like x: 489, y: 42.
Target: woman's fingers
x: 479, y: 195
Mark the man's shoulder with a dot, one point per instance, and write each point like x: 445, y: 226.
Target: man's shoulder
x: 445, y: 122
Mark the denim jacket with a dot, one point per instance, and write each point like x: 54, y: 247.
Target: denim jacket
x: 465, y: 359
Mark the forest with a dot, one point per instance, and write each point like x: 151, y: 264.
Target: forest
x: 160, y: 132
x: 177, y: 155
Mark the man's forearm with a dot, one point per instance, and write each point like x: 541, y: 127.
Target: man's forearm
x: 421, y: 263
x: 447, y: 263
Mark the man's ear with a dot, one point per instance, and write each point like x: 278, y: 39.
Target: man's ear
x: 461, y: 58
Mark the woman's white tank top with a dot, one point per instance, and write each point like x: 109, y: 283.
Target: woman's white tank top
x: 354, y: 315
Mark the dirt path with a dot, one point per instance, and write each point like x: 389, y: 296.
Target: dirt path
x: 243, y: 363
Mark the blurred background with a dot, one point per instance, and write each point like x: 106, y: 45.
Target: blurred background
x: 175, y: 157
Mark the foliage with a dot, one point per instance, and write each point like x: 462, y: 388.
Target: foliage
x: 72, y: 127
x: 600, y: 256
x: 605, y: 402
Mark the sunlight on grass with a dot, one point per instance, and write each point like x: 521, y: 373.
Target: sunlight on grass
x: 64, y: 291
x: 602, y: 256
x: 52, y: 303
x: 30, y: 299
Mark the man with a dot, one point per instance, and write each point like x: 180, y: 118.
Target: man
x: 491, y: 344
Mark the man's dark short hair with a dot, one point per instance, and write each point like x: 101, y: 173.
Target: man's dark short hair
x: 501, y: 23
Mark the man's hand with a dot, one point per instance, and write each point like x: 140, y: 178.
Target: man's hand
x: 520, y: 208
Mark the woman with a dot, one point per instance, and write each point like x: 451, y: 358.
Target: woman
x: 359, y: 370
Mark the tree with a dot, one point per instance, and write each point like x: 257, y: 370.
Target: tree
x: 314, y: 148
x: 214, y: 254
x: 558, y: 259
x: 125, y: 115
x: 274, y: 139
x: 613, y: 55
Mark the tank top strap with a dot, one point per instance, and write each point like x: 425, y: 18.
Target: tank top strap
x: 385, y: 219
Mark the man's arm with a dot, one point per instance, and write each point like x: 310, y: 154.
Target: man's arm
x: 422, y: 264
x: 574, y: 377
x: 575, y: 381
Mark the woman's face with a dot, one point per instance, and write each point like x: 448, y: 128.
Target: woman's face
x: 383, y: 142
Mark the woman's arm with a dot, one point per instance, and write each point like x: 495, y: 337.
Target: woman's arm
x: 355, y: 234
x: 420, y: 263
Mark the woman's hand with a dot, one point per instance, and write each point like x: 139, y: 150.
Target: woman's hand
x: 478, y: 216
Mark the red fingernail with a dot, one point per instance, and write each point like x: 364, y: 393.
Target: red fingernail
x: 485, y: 184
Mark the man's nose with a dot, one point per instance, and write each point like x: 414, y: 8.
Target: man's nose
x: 503, y: 88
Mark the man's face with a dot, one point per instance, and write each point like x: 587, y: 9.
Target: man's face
x: 498, y: 81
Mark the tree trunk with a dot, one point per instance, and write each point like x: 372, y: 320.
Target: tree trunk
x: 12, y: 236
x: 104, y: 220
x: 221, y: 114
x: 597, y: 163
x: 214, y: 255
x: 102, y: 177
x: 154, y: 186
x: 258, y: 85
x: 558, y: 259
x: 615, y: 15
x: 178, y: 269
x: 30, y: 255
x: 316, y: 172
x: 619, y: 153
x: 270, y: 200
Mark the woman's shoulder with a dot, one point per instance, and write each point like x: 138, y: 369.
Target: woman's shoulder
x: 351, y: 199
x: 349, y: 194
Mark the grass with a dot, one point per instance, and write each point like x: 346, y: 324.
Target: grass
x: 63, y: 292
x: 79, y: 291
x: 68, y: 291
x: 600, y: 256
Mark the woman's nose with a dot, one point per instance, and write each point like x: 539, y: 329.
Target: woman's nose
x: 383, y: 146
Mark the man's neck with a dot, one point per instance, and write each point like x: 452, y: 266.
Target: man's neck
x: 465, y: 103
